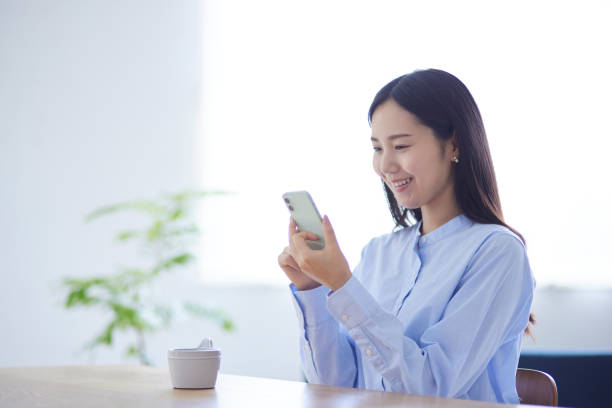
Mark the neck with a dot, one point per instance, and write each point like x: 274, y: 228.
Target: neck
x: 438, y: 213
x: 429, y: 223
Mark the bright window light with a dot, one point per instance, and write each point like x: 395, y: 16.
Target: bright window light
x: 285, y: 95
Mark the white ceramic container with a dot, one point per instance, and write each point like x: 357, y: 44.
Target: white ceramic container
x: 194, y: 367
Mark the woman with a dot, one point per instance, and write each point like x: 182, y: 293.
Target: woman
x: 438, y: 306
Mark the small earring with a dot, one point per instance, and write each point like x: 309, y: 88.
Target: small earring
x: 455, y: 159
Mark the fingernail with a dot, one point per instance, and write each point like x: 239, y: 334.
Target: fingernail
x: 325, y: 218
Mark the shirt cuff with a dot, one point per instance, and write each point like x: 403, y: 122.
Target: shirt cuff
x: 311, y: 305
x: 351, y: 304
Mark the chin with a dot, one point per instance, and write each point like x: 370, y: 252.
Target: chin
x: 410, y: 206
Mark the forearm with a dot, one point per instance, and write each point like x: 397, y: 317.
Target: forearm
x: 326, y: 353
x: 327, y: 356
x: 447, y: 358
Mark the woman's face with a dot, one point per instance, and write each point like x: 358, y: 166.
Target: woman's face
x: 405, y: 149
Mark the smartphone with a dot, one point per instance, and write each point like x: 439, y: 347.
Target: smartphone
x: 306, y: 216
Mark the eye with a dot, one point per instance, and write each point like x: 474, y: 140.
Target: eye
x: 375, y: 149
x: 400, y: 147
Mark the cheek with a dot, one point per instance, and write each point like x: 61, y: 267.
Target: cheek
x: 421, y: 163
x: 376, y: 164
x: 432, y: 176
x: 412, y: 163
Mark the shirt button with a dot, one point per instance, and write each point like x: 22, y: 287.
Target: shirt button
x: 344, y: 318
x: 369, y: 351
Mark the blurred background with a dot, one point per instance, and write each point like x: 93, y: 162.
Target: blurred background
x: 111, y: 101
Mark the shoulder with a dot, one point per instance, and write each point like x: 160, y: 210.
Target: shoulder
x: 494, y: 237
x: 499, y: 254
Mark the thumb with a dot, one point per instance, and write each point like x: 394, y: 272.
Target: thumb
x: 328, y: 232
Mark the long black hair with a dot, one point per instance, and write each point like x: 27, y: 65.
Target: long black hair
x: 443, y: 103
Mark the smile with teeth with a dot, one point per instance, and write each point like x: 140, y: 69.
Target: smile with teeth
x: 401, y: 183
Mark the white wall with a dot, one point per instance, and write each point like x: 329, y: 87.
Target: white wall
x: 99, y: 103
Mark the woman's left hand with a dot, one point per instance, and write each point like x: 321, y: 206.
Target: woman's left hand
x: 327, y: 266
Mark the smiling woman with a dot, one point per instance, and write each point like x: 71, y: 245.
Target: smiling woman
x: 439, y: 306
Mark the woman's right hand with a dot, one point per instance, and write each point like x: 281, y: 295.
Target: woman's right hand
x: 292, y: 270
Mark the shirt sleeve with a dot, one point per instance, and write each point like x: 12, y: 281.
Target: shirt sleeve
x: 326, y: 353
x: 490, y: 305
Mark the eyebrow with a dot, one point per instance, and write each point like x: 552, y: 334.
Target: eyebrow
x: 392, y: 137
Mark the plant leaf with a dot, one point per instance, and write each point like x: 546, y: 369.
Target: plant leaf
x: 106, y: 337
x: 78, y: 291
x: 190, y: 229
x: 155, y: 232
x: 148, y: 207
x: 177, y: 214
x: 125, y: 235
x: 217, y: 315
x: 129, y: 317
x: 194, y: 194
x: 181, y: 259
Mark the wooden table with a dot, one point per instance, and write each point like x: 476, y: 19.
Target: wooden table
x: 136, y: 386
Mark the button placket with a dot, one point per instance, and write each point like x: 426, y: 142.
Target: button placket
x: 416, y: 266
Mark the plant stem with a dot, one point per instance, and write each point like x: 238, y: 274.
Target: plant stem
x: 142, y: 349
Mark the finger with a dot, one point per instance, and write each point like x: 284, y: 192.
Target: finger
x: 288, y: 260
x: 299, y: 246
x: 292, y: 229
x: 310, y: 236
x: 288, y: 256
x: 328, y: 231
x: 307, y: 236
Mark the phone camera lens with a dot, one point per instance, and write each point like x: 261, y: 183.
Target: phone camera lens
x: 287, y: 200
x: 290, y: 208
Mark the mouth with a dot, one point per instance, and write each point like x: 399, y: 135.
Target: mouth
x: 401, y: 185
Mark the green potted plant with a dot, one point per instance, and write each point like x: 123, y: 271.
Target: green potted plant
x: 166, y: 240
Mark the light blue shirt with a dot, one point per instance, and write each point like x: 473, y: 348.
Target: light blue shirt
x: 439, y: 314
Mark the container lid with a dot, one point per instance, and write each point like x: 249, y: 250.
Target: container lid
x: 204, y: 350
x: 193, y: 353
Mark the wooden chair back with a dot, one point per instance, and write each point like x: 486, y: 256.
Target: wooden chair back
x: 536, y: 387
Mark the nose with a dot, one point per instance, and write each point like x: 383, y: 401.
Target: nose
x: 388, y: 164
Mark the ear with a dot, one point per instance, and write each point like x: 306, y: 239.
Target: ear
x: 454, y: 145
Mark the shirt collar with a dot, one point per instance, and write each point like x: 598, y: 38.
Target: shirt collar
x: 451, y: 226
